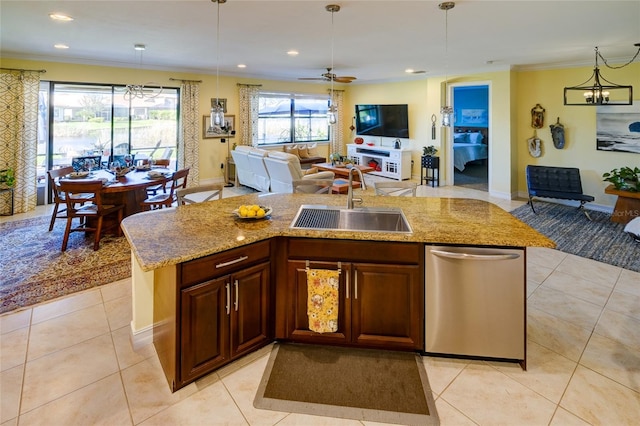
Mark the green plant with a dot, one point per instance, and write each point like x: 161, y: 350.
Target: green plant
x: 429, y: 150
x: 7, y: 177
x: 624, y: 179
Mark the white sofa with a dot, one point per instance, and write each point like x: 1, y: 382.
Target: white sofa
x: 284, y: 168
x: 250, y: 167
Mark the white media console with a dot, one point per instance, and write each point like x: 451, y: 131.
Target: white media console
x: 392, y: 163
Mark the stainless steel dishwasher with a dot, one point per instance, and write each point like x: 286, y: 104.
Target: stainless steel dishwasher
x: 475, y: 302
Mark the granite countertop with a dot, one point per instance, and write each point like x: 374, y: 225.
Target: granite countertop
x: 170, y: 236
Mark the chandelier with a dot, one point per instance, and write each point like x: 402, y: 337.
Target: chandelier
x: 139, y: 91
x: 594, y: 92
x: 446, y: 110
x: 217, y: 123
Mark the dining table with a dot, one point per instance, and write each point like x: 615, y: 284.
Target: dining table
x: 129, y: 189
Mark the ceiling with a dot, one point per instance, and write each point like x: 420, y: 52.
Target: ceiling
x: 374, y: 41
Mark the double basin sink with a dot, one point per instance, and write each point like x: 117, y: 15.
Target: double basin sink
x: 367, y: 219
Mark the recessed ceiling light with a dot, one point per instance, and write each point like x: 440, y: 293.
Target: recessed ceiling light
x: 242, y: 66
x: 293, y: 53
x: 409, y: 70
x: 412, y: 71
x: 139, y: 46
x: 60, y: 17
x: 60, y: 46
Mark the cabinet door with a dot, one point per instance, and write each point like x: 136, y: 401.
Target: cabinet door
x: 250, y: 309
x: 386, y: 306
x: 204, y: 330
x: 298, y: 327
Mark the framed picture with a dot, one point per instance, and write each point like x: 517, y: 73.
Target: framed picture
x: 618, y: 128
x: 222, y: 101
x: 224, y: 132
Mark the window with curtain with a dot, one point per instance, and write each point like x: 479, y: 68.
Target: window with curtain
x: 292, y: 118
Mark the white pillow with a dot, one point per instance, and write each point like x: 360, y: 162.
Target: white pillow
x: 475, y: 137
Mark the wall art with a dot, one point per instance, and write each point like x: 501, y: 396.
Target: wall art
x: 618, y: 128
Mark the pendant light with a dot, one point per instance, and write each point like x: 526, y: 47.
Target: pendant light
x: 446, y: 111
x: 331, y: 113
x: 593, y: 93
x: 217, y: 111
x: 138, y: 91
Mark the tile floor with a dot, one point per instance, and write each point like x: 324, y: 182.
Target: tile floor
x: 70, y: 361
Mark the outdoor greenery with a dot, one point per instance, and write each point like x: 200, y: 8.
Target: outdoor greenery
x: 429, y: 150
x: 624, y: 179
x: 7, y: 177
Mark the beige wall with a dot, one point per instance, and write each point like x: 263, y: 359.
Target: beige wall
x: 512, y: 95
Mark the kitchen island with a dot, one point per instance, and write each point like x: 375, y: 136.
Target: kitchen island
x: 199, y: 267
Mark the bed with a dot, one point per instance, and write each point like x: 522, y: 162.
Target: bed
x: 469, y: 144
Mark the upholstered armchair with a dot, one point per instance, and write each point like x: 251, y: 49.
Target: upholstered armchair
x: 284, y: 168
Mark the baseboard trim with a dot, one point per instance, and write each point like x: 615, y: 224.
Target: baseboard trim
x: 142, y: 337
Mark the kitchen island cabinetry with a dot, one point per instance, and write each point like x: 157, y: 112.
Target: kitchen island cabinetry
x: 379, y: 300
x: 222, y: 312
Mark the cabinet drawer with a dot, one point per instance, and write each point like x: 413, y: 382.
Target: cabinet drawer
x: 206, y: 268
x: 355, y: 251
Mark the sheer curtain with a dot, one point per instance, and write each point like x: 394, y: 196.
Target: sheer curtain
x: 18, y: 135
x: 248, y: 94
x: 336, y: 144
x: 189, y: 131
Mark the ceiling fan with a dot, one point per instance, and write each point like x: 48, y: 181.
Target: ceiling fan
x: 329, y: 76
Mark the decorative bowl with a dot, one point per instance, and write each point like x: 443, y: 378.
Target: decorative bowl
x: 78, y: 175
x: 359, y: 141
x: 267, y: 213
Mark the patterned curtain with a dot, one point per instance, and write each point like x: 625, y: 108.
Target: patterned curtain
x: 249, y: 94
x: 18, y: 136
x: 336, y: 144
x: 189, y: 131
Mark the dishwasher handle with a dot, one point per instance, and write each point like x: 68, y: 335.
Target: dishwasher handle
x: 471, y: 256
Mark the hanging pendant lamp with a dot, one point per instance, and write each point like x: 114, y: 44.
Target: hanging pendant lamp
x: 593, y: 92
x: 446, y: 111
x: 217, y: 110
x: 331, y: 113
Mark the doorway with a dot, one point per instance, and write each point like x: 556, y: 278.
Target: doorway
x: 471, y: 138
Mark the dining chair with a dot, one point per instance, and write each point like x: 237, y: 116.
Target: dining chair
x: 167, y: 198
x: 400, y: 188
x: 153, y: 190
x: 199, y: 194
x: 312, y: 186
x: 84, y: 202
x: 59, y: 203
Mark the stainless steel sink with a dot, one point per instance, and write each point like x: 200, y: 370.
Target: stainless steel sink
x: 368, y: 219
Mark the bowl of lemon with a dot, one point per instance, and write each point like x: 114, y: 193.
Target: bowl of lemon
x: 252, y: 212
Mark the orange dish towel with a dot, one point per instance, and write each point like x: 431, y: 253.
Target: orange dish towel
x: 322, y: 300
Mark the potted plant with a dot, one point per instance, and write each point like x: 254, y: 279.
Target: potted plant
x: 624, y: 179
x: 429, y: 151
x: 7, y: 178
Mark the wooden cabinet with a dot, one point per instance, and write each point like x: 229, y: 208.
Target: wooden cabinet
x: 380, y: 300
x: 222, y: 311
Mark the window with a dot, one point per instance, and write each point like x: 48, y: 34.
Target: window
x: 288, y: 118
x: 79, y: 120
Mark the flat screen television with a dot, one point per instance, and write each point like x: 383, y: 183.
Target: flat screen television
x: 383, y: 120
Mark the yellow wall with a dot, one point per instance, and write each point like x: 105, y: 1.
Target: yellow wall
x: 546, y: 88
x: 512, y: 95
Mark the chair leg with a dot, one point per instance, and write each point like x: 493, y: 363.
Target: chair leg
x: 53, y: 216
x: 67, y: 231
x: 530, y: 202
x: 586, y: 213
x: 98, y: 231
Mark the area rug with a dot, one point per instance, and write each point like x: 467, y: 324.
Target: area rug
x: 351, y: 383
x: 35, y: 270
x: 598, y: 239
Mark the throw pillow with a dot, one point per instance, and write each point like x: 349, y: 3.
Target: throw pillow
x: 293, y: 149
x: 313, y: 150
x: 310, y: 171
x: 303, y: 151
